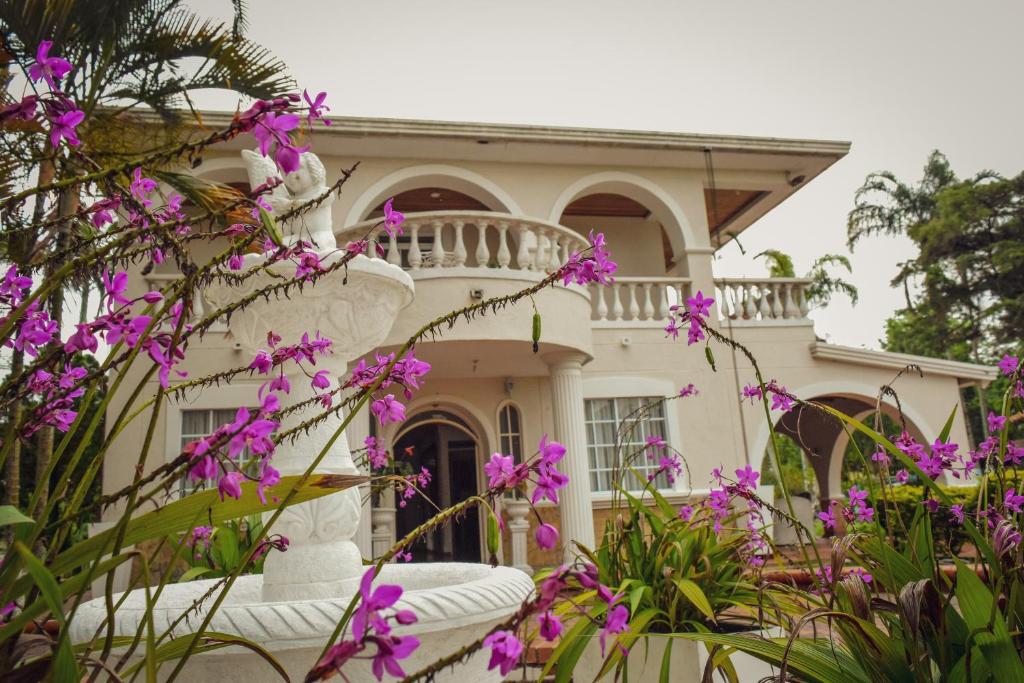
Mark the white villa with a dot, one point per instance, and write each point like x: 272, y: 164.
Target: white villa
x: 492, y: 208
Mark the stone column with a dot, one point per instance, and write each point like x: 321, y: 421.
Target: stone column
x: 519, y: 529
x: 570, y: 429
x: 357, y: 431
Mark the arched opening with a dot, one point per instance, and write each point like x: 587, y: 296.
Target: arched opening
x: 624, y: 221
x: 445, y: 445
x: 818, y: 458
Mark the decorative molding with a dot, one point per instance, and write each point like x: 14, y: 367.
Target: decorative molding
x: 886, y: 359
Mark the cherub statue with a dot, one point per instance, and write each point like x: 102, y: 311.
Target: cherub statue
x: 308, y: 182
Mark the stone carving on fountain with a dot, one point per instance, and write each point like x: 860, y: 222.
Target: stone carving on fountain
x: 303, y: 592
x: 295, y: 189
x: 322, y: 561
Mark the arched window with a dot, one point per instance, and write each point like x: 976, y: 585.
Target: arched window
x: 510, y: 435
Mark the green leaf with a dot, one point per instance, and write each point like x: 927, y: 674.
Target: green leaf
x: 987, y: 625
x: 710, y: 357
x: 63, y: 667
x: 226, y: 542
x: 11, y: 515
x: 194, y: 573
x: 696, y: 596
x: 181, y: 515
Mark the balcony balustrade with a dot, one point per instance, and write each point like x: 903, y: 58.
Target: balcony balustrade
x: 636, y: 301
x: 762, y: 300
x: 469, y: 240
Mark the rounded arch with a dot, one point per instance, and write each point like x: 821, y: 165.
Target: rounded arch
x: 643, y: 190
x: 919, y: 427
x: 440, y: 175
x: 476, y: 421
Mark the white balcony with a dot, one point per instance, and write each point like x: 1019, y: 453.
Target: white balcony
x: 448, y: 243
x: 762, y: 301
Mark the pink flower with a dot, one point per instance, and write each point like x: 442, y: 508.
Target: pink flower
x: 268, y: 477
x: 387, y: 409
x: 367, y: 614
x: 231, y: 485
x: 747, y: 477
x: 546, y: 536
x: 996, y: 422
x: 617, y: 622
x: 505, y: 651
x: 63, y: 127
x: 262, y: 363
x: 753, y: 392
x: 551, y: 452
x: 828, y: 519
x: 550, y: 626
x: 1013, y: 501
x: 686, y: 513
x: 389, y: 651
x: 903, y: 476
x: 321, y: 380
x: 82, y: 340
x: 47, y: 68
x: 1008, y: 365
x: 499, y: 469
x: 392, y: 219
x: 957, y: 513
x: 699, y: 306
x: 316, y: 108
x: 377, y: 456
x: 688, y: 390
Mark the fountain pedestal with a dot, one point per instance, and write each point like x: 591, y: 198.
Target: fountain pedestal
x: 294, y: 606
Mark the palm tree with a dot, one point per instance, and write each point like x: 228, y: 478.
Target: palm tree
x: 129, y: 56
x: 823, y: 283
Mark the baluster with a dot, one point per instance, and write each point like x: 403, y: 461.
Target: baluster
x: 523, y: 260
x: 788, y: 307
x: 460, y: 248
x: 483, y: 254
x: 750, y: 306
x: 616, y: 302
x: 764, y: 308
x: 634, y: 307
x: 602, y: 307
x: 415, y: 255
x: 504, y: 257
x: 805, y: 306
x: 553, y: 252
x: 540, y: 257
x: 662, y: 294
x: 394, y: 253
x: 648, y: 307
x: 566, y: 249
x: 776, y: 301
x: 437, y: 253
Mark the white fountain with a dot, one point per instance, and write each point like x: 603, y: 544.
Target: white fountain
x: 294, y: 606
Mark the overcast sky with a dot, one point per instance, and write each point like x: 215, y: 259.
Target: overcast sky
x: 897, y: 79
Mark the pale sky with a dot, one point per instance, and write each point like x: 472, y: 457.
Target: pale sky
x: 897, y: 79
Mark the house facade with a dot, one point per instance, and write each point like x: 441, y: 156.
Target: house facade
x: 491, y: 209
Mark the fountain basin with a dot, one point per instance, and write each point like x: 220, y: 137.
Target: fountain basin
x: 456, y: 603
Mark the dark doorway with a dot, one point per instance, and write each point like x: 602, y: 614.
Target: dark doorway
x: 449, y: 452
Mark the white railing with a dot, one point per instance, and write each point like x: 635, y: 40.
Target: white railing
x: 469, y: 239
x: 637, y: 299
x: 762, y: 300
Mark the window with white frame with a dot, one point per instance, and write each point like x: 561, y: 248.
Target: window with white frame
x: 510, y: 433
x: 617, y: 428
x: 196, y: 424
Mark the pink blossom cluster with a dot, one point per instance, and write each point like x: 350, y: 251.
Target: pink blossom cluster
x: 698, y: 308
x: 719, y: 507
x: 781, y: 398
x: 503, y: 474
x: 371, y: 625
x: 55, y: 108
x: 594, y: 267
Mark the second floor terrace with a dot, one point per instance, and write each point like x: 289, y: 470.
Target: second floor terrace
x: 490, y: 208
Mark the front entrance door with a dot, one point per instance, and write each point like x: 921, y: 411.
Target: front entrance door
x: 449, y: 452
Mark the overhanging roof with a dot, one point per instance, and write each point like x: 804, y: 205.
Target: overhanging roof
x: 794, y: 161
x: 969, y: 372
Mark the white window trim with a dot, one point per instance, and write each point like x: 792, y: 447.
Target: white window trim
x: 623, y: 386
x: 211, y: 398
